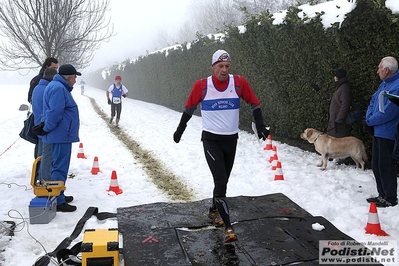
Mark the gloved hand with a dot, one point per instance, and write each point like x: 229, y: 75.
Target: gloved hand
x: 38, y: 129
x: 260, y: 126
x: 262, y: 132
x: 178, y: 133
x: 109, y: 101
x: 182, y: 126
x: 368, y: 129
x: 124, y: 95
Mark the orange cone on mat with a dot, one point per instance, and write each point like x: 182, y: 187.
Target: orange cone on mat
x: 114, y: 184
x: 279, y: 172
x: 373, y: 224
x: 81, y: 154
x: 96, y: 168
x: 271, y: 159
x: 269, y: 145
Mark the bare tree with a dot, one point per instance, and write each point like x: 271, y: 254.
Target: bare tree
x: 211, y: 15
x: 69, y: 30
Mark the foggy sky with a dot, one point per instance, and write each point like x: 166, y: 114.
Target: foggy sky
x: 136, y: 24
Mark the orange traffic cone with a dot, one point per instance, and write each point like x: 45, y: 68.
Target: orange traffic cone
x: 81, y: 154
x: 274, y: 153
x: 269, y: 145
x: 96, y: 168
x: 279, y: 172
x: 373, y: 224
x: 274, y: 162
x: 114, y: 184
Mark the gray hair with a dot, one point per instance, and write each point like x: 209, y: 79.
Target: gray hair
x: 49, y: 73
x: 390, y: 63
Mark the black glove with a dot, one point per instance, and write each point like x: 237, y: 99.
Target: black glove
x: 336, y: 126
x: 260, y: 126
x: 182, y: 126
x: 263, y: 132
x: 38, y: 129
x: 124, y: 95
x: 368, y: 129
x: 109, y: 101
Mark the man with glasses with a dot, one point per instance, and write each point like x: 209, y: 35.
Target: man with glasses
x: 60, y: 126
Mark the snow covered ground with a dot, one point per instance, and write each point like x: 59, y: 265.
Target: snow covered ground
x: 338, y: 194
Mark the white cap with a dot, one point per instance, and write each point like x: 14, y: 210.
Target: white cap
x: 220, y: 56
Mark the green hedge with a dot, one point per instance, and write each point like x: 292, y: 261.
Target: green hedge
x: 289, y: 66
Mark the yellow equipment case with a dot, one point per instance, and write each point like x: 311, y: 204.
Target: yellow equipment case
x: 42, y: 188
x: 100, y: 247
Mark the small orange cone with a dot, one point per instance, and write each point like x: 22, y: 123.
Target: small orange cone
x: 279, y: 172
x: 274, y: 153
x: 81, y: 154
x: 274, y: 162
x: 96, y: 168
x: 373, y: 224
x: 269, y: 145
x: 114, y: 184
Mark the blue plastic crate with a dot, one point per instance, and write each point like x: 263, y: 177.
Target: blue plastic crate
x: 42, y: 210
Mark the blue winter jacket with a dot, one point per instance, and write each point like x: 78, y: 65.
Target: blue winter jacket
x: 60, y: 112
x: 384, y: 123
x: 37, y: 100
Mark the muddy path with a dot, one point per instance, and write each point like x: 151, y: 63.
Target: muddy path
x: 165, y: 180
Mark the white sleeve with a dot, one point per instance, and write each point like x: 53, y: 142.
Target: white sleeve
x: 124, y: 89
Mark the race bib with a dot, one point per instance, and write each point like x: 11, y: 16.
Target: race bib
x: 116, y: 100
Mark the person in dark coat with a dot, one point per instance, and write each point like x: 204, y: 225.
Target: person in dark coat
x: 340, y: 103
x: 49, y: 62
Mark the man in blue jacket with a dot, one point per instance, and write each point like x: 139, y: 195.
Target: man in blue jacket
x: 44, y: 149
x: 383, y: 115
x: 60, y: 125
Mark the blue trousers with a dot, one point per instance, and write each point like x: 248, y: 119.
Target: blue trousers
x: 61, y: 161
x: 383, y: 166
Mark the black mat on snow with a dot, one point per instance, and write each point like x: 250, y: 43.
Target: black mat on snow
x: 6, y: 233
x: 271, y: 229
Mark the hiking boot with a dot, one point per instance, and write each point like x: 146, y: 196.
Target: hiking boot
x: 65, y: 207
x: 216, y: 218
x: 116, y: 126
x: 374, y: 199
x: 110, y: 120
x: 229, y: 235
x: 384, y: 203
x: 68, y: 199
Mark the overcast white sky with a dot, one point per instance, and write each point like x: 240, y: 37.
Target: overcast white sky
x: 136, y: 24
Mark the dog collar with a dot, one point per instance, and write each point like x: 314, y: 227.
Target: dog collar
x: 318, y: 137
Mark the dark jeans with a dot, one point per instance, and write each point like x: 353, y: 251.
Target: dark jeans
x: 383, y: 166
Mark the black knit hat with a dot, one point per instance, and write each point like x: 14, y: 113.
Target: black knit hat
x: 340, y: 73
